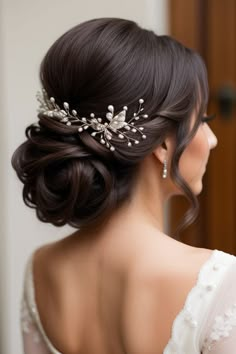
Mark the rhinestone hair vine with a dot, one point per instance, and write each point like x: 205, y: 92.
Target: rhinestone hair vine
x: 115, y: 124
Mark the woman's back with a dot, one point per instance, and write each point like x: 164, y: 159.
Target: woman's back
x: 111, y: 297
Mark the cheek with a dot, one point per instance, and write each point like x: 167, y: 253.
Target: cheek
x: 194, y: 158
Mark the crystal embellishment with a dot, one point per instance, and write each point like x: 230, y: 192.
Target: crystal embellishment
x: 188, y: 317
x: 116, y: 124
x: 222, y: 326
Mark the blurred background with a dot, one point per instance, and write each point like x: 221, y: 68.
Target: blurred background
x: 27, y: 29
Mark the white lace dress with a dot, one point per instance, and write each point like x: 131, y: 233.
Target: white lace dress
x: 206, y: 323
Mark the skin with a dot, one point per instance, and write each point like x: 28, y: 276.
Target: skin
x: 195, y: 158
x: 89, y: 287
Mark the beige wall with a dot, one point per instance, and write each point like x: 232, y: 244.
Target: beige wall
x: 28, y: 28
x: 3, y: 204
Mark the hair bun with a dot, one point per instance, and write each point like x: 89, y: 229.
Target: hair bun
x: 65, y: 183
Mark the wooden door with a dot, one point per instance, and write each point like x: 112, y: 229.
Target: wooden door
x: 209, y: 26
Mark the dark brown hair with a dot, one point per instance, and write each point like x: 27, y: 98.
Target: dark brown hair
x: 70, y: 178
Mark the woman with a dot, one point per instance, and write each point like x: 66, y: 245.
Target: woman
x: 122, y: 128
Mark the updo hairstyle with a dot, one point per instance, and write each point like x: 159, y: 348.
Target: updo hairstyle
x: 70, y: 178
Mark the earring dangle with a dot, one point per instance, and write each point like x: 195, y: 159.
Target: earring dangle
x: 164, y: 173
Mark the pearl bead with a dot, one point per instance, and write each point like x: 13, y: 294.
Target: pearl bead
x: 216, y: 266
x: 109, y: 115
x: 210, y: 287
x: 193, y: 324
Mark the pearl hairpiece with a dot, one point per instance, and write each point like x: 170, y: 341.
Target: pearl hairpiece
x: 115, y: 123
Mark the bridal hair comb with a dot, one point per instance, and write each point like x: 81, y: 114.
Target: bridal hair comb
x: 115, y: 123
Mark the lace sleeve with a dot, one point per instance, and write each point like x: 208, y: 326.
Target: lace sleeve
x: 33, y: 342
x: 219, y: 332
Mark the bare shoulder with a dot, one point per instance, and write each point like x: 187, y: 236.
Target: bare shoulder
x: 167, y: 259
x: 50, y: 256
x: 175, y: 272
x: 44, y: 266
x: 56, y: 299
x: 49, y: 271
x: 179, y: 272
x: 161, y: 285
x: 44, y: 258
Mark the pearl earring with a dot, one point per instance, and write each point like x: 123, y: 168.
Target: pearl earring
x: 164, y: 173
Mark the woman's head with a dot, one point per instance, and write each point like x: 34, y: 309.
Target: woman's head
x: 70, y: 177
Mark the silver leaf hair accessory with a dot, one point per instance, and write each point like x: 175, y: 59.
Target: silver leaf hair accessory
x: 115, y: 124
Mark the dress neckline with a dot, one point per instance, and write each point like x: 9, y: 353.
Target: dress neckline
x: 54, y: 350
x: 34, y: 308
x: 176, y: 320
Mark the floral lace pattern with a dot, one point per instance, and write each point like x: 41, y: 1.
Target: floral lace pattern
x: 27, y: 323
x: 222, y: 327
x: 30, y: 320
x: 188, y: 323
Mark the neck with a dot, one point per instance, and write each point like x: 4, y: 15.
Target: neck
x: 144, y: 211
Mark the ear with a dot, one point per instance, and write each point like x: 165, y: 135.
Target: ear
x: 164, y: 151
